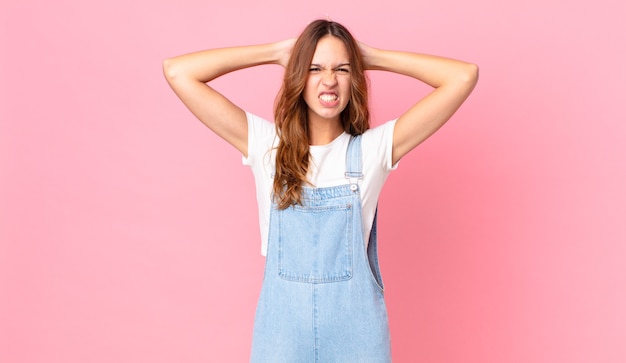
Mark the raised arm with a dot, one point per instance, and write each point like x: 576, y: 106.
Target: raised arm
x: 453, y: 81
x: 188, y: 76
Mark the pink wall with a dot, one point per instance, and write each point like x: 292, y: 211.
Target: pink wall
x: 127, y: 230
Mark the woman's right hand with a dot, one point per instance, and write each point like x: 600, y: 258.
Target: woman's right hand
x: 284, y: 48
x: 189, y: 74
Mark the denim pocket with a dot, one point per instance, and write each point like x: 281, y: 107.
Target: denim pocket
x: 315, y: 243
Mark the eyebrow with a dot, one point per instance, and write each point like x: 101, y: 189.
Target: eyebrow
x: 337, y: 66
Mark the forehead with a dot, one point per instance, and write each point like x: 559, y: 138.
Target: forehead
x: 330, y: 50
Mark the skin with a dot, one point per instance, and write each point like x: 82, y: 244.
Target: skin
x: 452, y: 82
x: 329, y: 76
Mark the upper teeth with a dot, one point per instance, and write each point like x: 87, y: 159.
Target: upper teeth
x: 328, y: 98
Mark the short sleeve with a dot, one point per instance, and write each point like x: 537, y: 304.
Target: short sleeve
x: 378, y: 143
x: 261, y: 135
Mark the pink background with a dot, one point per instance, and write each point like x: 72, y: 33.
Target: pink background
x: 128, y: 230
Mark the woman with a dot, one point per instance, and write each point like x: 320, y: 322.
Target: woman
x: 319, y: 170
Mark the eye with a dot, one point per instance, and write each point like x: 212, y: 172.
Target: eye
x: 343, y: 70
x: 315, y: 69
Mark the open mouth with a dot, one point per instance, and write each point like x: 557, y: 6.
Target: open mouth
x: 328, y: 97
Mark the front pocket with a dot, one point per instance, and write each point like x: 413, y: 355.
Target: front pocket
x: 315, y: 243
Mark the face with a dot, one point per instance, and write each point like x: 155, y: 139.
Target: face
x: 327, y: 89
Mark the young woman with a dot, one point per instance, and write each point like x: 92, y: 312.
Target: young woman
x: 319, y: 170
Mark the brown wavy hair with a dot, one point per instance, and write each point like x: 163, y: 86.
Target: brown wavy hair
x: 291, y: 111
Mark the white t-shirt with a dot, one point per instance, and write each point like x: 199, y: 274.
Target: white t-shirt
x: 326, y: 169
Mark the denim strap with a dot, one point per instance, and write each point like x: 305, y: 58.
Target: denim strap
x: 354, y: 162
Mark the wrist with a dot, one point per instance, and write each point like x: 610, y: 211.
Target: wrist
x: 373, y: 58
x: 281, y: 51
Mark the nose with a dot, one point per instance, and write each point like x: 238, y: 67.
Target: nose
x: 329, y: 78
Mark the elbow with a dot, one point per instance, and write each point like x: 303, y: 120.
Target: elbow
x: 470, y: 74
x: 169, y: 69
x: 465, y: 76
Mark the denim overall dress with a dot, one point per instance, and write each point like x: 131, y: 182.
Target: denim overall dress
x: 322, y: 294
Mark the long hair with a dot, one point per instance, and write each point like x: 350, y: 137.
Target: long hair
x: 291, y: 111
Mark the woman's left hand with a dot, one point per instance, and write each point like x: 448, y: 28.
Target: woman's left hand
x: 366, y: 52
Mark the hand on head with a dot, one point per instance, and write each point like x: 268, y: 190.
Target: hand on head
x: 285, y: 46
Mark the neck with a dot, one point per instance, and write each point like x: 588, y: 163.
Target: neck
x: 324, y: 132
